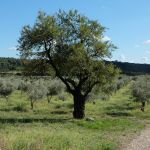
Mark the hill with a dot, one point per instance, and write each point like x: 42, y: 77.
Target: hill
x: 10, y: 64
x: 133, y: 68
x: 14, y: 64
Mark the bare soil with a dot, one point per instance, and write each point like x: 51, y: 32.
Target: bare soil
x: 141, y: 142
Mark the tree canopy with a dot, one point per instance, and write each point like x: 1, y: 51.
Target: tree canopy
x: 74, y: 47
x: 141, y: 90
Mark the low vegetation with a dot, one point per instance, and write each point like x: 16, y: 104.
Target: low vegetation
x: 109, y: 124
x: 141, y: 90
x: 6, y: 88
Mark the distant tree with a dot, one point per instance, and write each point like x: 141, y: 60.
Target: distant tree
x: 73, y: 46
x: 6, y: 88
x: 36, y: 67
x: 53, y: 88
x: 141, y: 91
x: 62, y: 96
x: 36, y: 91
x: 9, y: 64
x: 23, y: 86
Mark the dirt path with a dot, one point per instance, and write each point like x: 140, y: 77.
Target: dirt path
x: 141, y: 142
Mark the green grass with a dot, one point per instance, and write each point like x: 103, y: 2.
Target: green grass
x: 50, y: 126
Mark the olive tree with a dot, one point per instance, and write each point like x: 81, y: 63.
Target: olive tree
x: 54, y: 87
x: 6, y: 88
x: 74, y: 47
x: 36, y: 91
x: 23, y: 86
x: 141, y: 91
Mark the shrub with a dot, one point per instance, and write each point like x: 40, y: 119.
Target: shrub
x: 36, y: 91
x: 20, y: 107
x: 141, y: 91
x: 6, y: 88
x: 23, y: 86
x: 62, y: 97
x: 53, y: 88
x: 123, y: 81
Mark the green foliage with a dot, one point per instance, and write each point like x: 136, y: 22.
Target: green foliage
x: 108, y: 89
x: 107, y: 124
x: 36, y: 91
x: 24, y: 86
x: 9, y: 64
x: 41, y: 68
x: 49, y: 128
x: 132, y: 68
x: 73, y: 46
x: 123, y: 81
x: 36, y: 67
x: 141, y: 89
x: 20, y: 107
x: 54, y: 87
x: 6, y: 88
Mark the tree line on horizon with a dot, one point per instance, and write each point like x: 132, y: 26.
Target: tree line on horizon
x: 16, y: 64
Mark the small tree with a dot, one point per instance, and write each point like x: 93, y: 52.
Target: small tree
x: 36, y: 91
x: 6, y: 88
x: 141, y: 91
x: 73, y: 46
x: 53, y: 88
x: 23, y: 86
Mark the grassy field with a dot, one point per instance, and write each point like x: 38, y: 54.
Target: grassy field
x: 51, y: 127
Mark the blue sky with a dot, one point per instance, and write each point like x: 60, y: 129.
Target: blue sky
x: 128, y: 23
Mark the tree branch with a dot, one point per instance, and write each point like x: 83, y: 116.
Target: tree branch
x: 56, y: 70
x: 82, y: 80
x: 90, y: 88
x: 72, y: 82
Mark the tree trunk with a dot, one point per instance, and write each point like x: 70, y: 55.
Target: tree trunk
x: 49, y: 98
x: 32, y: 104
x: 21, y: 93
x: 142, y: 106
x: 6, y: 97
x: 79, y: 107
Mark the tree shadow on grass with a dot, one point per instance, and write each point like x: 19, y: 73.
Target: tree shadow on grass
x: 6, y: 109
x: 34, y: 120
x: 16, y: 108
x: 59, y: 112
x: 118, y: 114
x: 119, y: 109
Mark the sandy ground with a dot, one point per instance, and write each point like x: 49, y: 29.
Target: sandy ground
x: 141, y: 142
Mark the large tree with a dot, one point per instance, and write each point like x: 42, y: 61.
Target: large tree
x: 74, y: 47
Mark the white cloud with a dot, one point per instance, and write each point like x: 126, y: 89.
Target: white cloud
x: 148, y: 52
x: 131, y: 61
x: 147, y: 42
x: 12, y: 48
x: 144, y: 60
x: 103, y: 39
x: 106, y: 38
x: 122, y: 57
